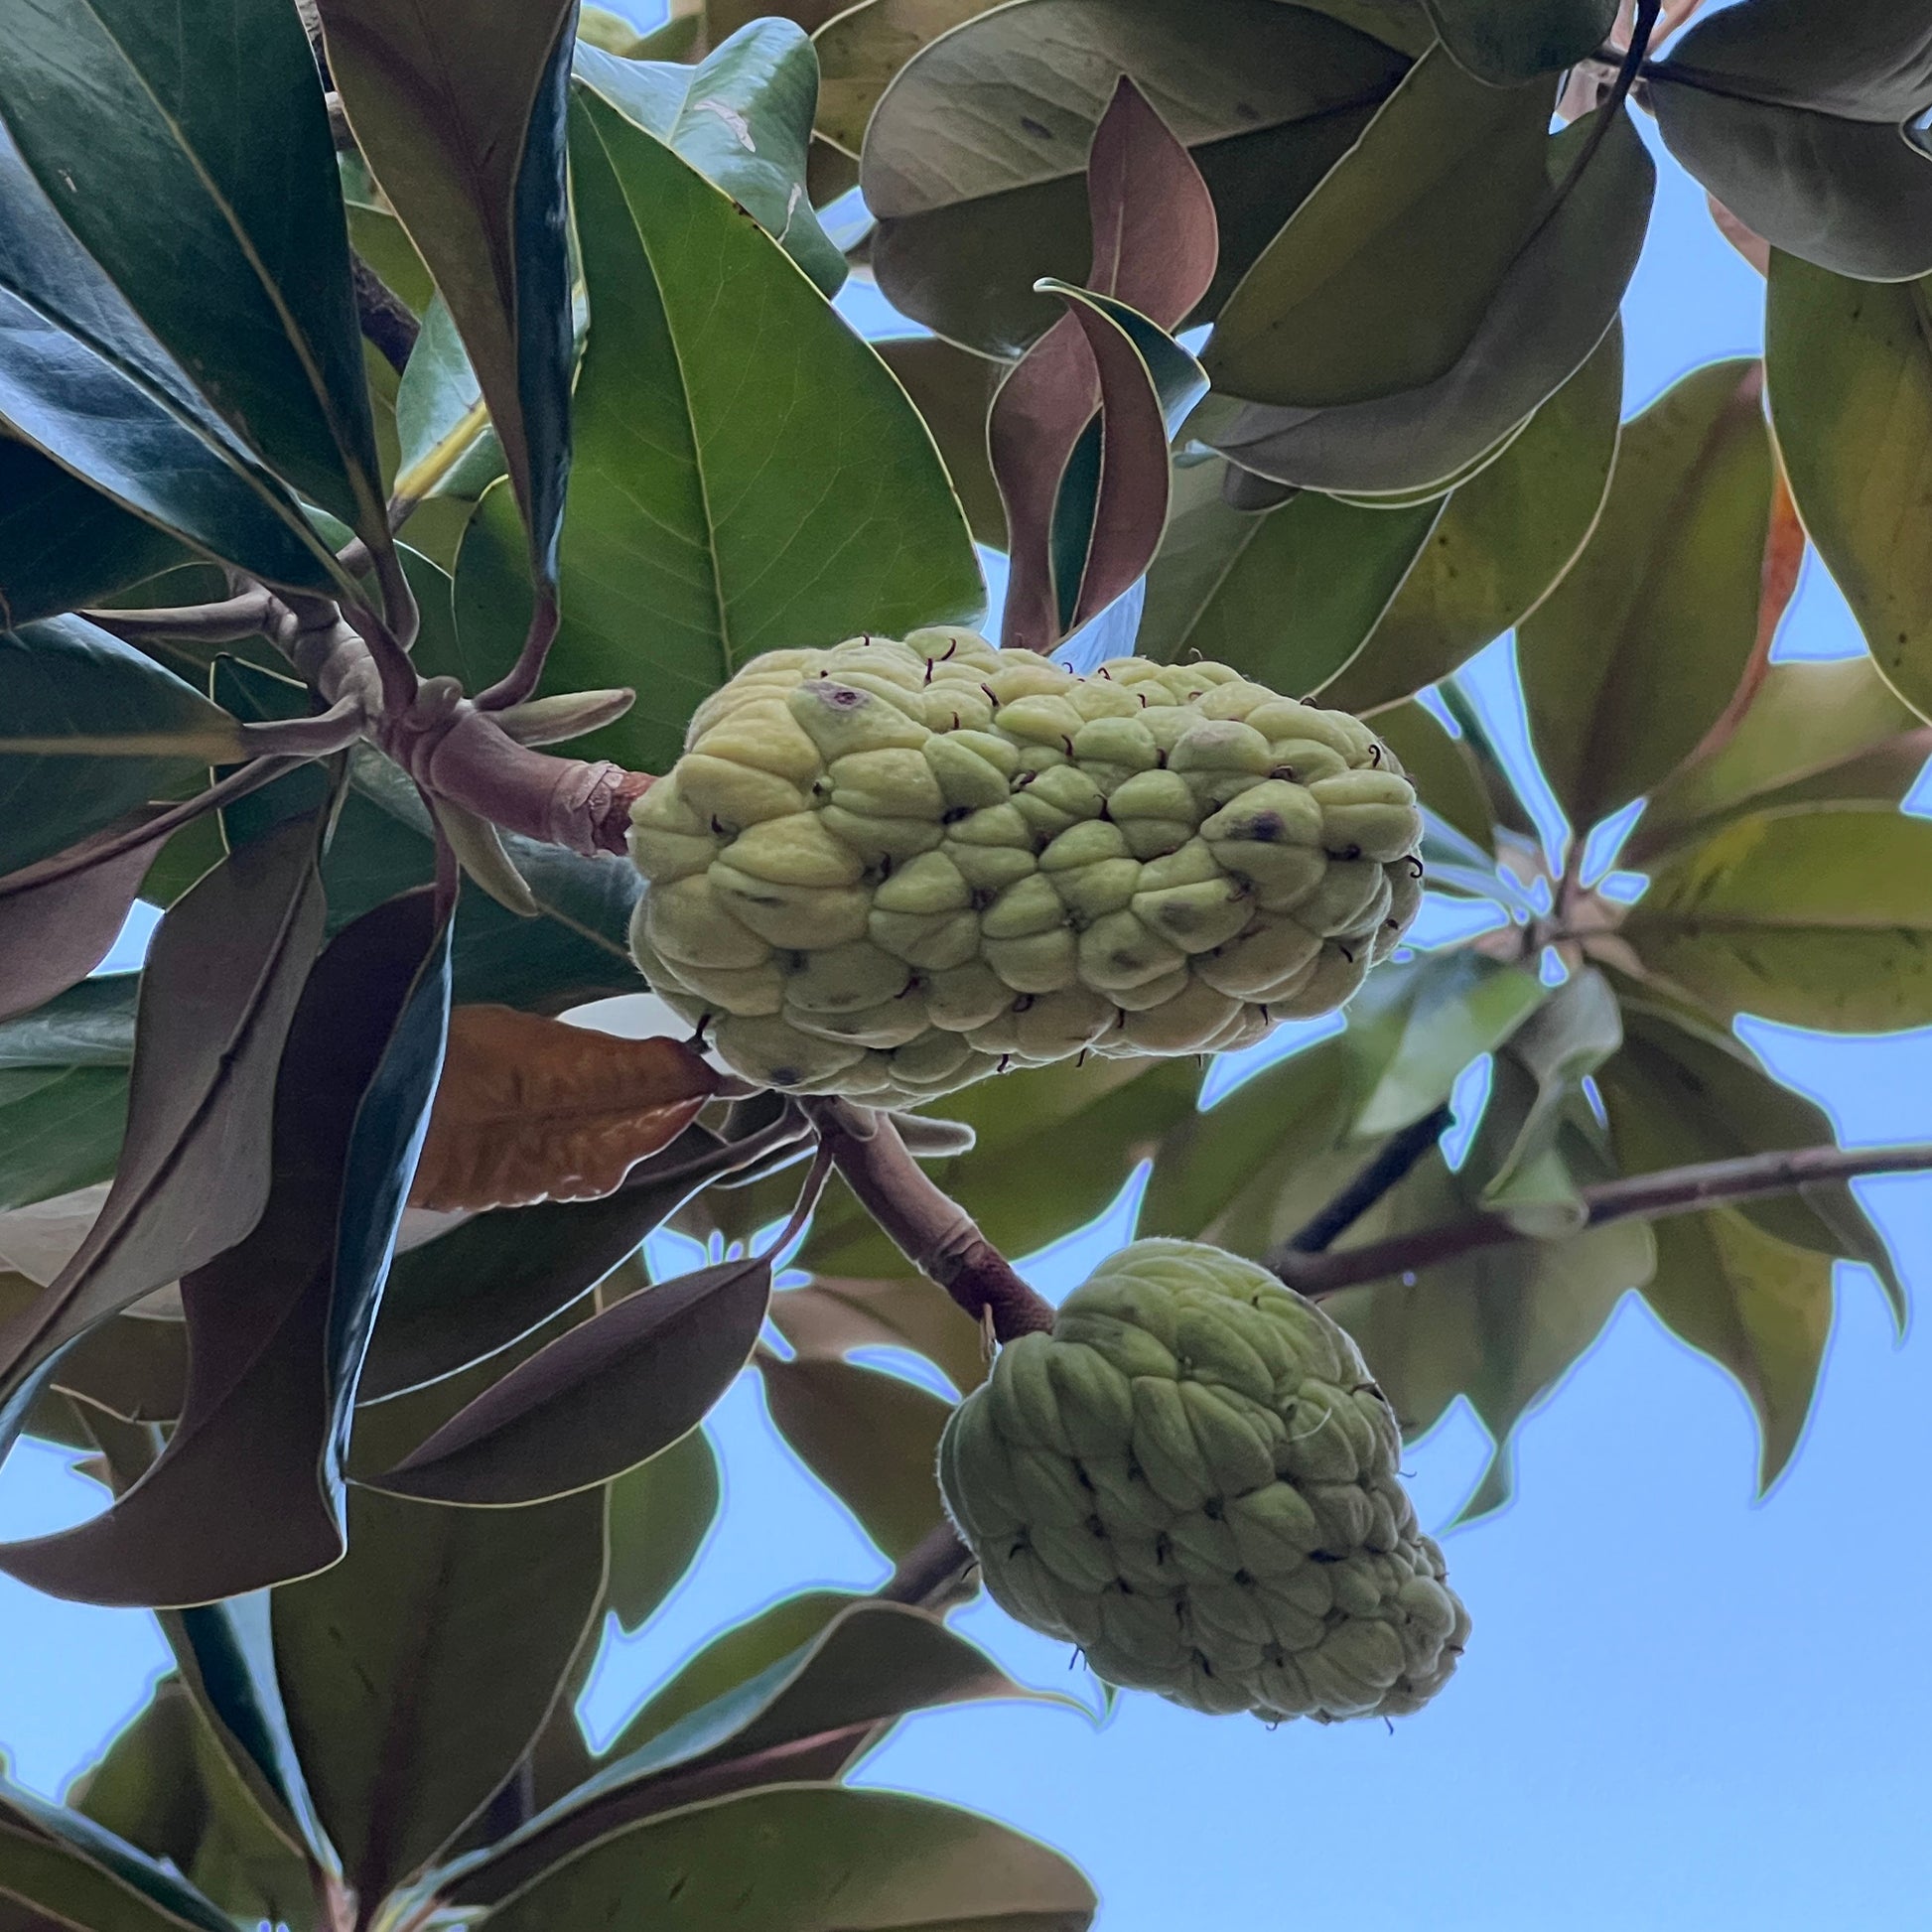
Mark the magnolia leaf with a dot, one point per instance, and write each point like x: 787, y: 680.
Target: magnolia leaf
x: 1078, y: 432
x: 1640, y: 649
x: 248, y: 1490
x: 1800, y: 134
x: 1442, y: 770
x: 132, y: 1367
x: 1817, y: 918
x: 531, y: 1109
x: 660, y: 1515
x: 446, y: 444
x: 976, y: 206
x: 460, y: 113
x: 743, y: 117
x: 818, y: 1672
x: 831, y: 1316
x: 419, y: 1669
x: 1501, y: 41
x: 224, y: 971
x: 596, y: 1400
x: 1556, y: 304
x: 1504, y: 540
x: 1812, y: 732
x: 871, y: 1438
x: 96, y: 95
x: 63, y: 1100
x: 1381, y: 278
x: 953, y: 390
x: 1287, y: 596
x: 862, y: 48
x: 1849, y: 371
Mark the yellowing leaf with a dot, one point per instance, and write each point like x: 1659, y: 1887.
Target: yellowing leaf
x: 531, y: 1109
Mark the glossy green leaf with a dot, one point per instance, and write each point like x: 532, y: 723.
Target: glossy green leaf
x: 812, y: 1858
x: 973, y: 159
x: 862, y: 47
x: 232, y: 140
x: 1818, y: 918
x: 1849, y: 366
x: 1500, y: 41
x: 831, y: 1316
x: 1504, y: 540
x: 66, y: 681
x: 1381, y: 278
x: 740, y: 488
x: 83, y: 379
x: 273, y: 1373
x: 1814, y: 732
x: 1289, y: 595
x: 953, y: 390
x: 868, y: 1665
x: 1552, y: 309
x: 743, y: 117
x: 460, y: 113
x: 62, y: 544
x: 871, y: 1438
x: 661, y: 1514
x: 1679, y: 1093
x: 420, y: 1669
x: 610, y: 1393
x: 67, y: 1869
x: 486, y: 1285
x: 1639, y: 650
x: 1444, y: 776
x: 1798, y: 132
x: 447, y: 446
x: 223, y: 974
x: 64, y: 1090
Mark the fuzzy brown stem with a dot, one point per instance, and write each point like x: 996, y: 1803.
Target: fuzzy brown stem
x: 387, y: 325
x: 934, y: 1233
x: 927, y: 1573
x: 1649, y: 1196
x: 224, y: 623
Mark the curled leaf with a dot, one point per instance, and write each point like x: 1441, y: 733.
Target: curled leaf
x: 531, y: 1109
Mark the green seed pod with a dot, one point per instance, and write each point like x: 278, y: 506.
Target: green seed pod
x: 1194, y: 1479
x: 933, y: 860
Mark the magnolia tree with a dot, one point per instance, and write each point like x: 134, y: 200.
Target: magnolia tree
x: 390, y: 392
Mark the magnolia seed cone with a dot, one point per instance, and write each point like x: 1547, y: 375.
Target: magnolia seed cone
x: 888, y: 868
x: 1194, y: 1479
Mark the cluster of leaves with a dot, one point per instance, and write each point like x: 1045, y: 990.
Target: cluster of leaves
x: 517, y: 327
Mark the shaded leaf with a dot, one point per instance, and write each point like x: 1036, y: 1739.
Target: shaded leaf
x: 1850, y: 372
x: 870, y: 1439
x: 1799, y: 133
x: 64, y: 683
x: 98, y: 93
x: 811, y: 1859
x: 1639, y: 650
x: 1503, y: 40
x: 1504, y: 540
x: 974, y: 156
x: 953, y: 390
x: 460, y: 113
x: 861, y: 48
x: 62, y: 544
x: 831, y: 1316
x: 743, y: 117
x: 419, y: 1669
x: 661, y: 1514
x: 1552, y: 309
x: 1829, y: 731
x: 224, y: 971
x: 1381, y: 278
x: 1287, y: 596
x: 698, y: 481
x: 249, y: 1488
x: 1818, y: 918
x: 1440, y: 767
x: 447, y: 446
x: 133, y: 1367
x: 1078, y: 431
x: 867, y: 1665
x: 530, y: 1109
x: 599, y: 1400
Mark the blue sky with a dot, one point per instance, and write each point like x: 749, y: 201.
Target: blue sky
x: 1681, y: 1708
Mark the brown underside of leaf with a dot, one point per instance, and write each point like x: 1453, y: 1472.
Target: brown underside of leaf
x: 531, y: 1109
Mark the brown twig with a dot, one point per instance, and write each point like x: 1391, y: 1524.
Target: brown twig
x: 1649, y: 1196
x: 387, y: 324
x: 934, y: 1233
x: 927, y: 1572
x: 1387, y: 1171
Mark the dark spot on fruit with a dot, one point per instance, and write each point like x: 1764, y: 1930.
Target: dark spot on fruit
x: 1211, y: 1509
x: 1267, y: 827
x: 954, y: 813
x: 1242, y: 1578
x: 983, y: 896
x: 784, y: 1076
x: 1347, y: 854
x: 1096, y: 1526
x: 1024, y: 1004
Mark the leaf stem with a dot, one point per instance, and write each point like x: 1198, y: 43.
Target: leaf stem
x: 224, y: 623
x: 928, y: 1569
x: 934, y: 1233
x: 1647, y: 1196
x: 387, y: 323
